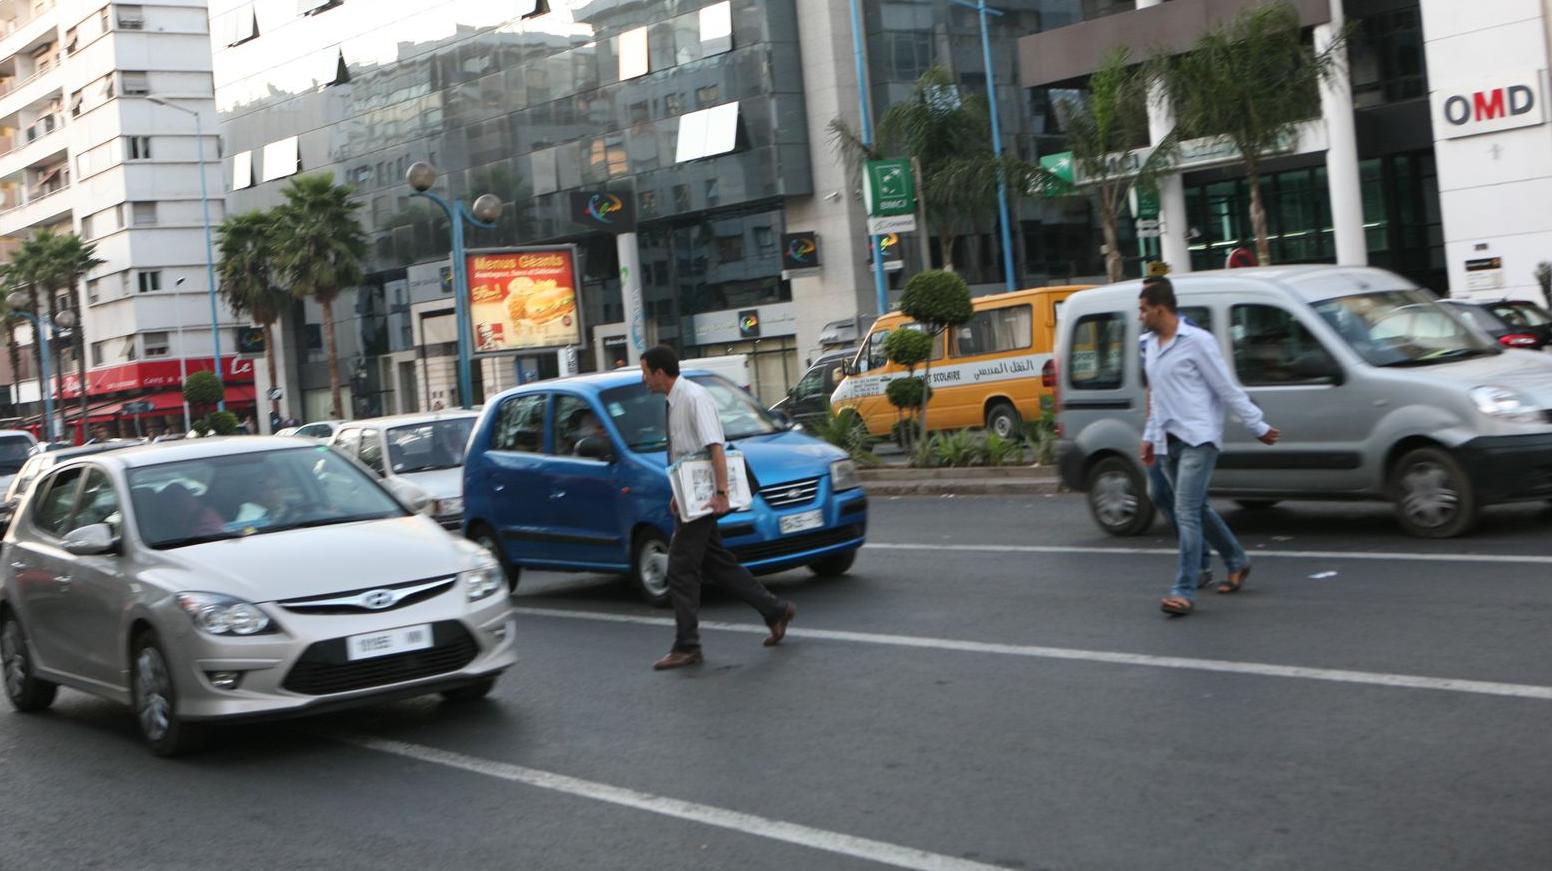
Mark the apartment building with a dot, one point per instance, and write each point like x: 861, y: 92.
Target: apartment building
x: 107, y: 118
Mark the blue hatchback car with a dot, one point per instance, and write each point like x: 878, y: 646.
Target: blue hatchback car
x: 571, y: 475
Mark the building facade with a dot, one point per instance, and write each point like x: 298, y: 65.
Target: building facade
x: 98, y: 111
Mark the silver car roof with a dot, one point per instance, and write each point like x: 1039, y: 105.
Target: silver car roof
x: 1305, y: 283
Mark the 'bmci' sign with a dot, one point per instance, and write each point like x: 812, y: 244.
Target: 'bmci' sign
x: 1504, y: 102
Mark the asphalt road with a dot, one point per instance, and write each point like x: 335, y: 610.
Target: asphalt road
x: 994, y: 686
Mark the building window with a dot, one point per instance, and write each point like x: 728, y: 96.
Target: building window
x: 282, y: 159
x: 149, y: 281
x: 156, y: 343
x: 707, y: 133
x: 245, y: 25
x: 97, y: 353
x: 716, y: 28
x: 633, y: 54
x: 137, y: 148
x: 144, y: 214
x: 93, y: 290
x: 242, y: 170
x: 131, y: 17
x: 313, y: 7
x: 135, y: 83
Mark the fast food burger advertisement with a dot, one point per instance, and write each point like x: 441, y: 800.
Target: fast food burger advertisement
x: 524, y: 299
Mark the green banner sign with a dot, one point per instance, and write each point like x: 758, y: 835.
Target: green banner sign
x: 890, y: 189
x: 1059, y: 165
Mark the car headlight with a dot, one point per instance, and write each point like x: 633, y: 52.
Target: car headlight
x: 481, y: 582
x: 223, y: 615
x: 442, y: 507
x: 1504, y: 404
x: 843, y: 475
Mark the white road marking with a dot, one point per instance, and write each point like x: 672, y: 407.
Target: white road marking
x: 1511, y: 559
x: 749, y: 824
x: 1336, y: 675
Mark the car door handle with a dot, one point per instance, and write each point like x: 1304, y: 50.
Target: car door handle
x: 557, y: 494
x: 19, y: 566
x: 62, y: 579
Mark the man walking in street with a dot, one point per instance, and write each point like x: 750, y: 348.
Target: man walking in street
x: 1189, y: 387
x: 696, y: 552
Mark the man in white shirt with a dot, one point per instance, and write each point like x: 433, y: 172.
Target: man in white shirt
x: 696, y: 552
x: 1189, y: 386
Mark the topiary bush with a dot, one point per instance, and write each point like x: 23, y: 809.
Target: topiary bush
x: 202, y: 388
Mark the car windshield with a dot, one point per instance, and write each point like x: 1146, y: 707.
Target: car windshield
x: 1521, y: 314
x: 1402, y: 328
x: 425, y: 447
x: 640, y: 415
x: 196, y: 501
x: 13, y: 452
x: 1484, y: 319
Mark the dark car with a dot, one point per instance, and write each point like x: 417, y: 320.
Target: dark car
x: 809, y: 399
x: 1525, y: 317
x: 1482, y: 316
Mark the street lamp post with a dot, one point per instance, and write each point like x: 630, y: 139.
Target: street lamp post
x: 183, y: 363
x: 210, y: 263
x: 991, y: 101
x: 487, y: 208
x: 41, y: 328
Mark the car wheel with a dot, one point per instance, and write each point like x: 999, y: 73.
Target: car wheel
x: 1118, y: 498
x: 649, y: 567
x: 471, y: 692
x: 26, y: 691
x: 156, y: 701
x: 1433, y: 496
x: 482, y: 536
x: 1256, y: 504
x: 834, y: 566
x: 1003, y: 419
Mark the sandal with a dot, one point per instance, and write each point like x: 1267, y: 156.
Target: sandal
x: 1235, y: 581
x: 1175, y: 606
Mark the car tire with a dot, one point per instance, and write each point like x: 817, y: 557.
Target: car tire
x: 155, y: 700
x: 649, y: 567
x: 1118, y: 498
x: 834, y: 566
x: 26, y: 691
x: 1003, y: 419
x: 471, y: 692
x: 1432, y: 494
x: 1256, y: 504
x: 486, y: 539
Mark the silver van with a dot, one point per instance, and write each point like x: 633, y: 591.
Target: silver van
x: 1380, y: 393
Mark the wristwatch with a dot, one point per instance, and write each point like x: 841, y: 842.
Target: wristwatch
x: 721, y: 492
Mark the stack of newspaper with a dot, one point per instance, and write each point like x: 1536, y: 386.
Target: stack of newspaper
x: 695, y: 484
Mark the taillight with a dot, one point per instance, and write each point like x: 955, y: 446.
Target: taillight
x: 1048, y: 374
x: 1518, y: 340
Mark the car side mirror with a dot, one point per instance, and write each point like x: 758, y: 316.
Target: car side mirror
x: 595, y: 448
x: 783, y: 418
x: 93, y: 540
x: 852, y: 369
x: 410, y: 496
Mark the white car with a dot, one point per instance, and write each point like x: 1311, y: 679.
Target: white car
x: 425, y: 450
x: 318, y: 430
x: 15, y: 446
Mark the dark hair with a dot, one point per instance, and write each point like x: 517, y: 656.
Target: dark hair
x: 662, y: 359
x: 1158, y: 291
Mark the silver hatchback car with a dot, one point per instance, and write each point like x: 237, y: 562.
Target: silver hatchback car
x: 225, y: 579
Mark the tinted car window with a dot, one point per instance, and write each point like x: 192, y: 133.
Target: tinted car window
x: 1484, y: 320
x: 1400, y: 328
x: 1098, y: 352
x: 13, y: 453
x: 520, y: 424
x: 371, y: 452
x: 99, y: 502
x: 1271, y: 347
x: 57, y: 501
x: 428, y: 446
x: 641, y: 416
x: 811, y: 383
x: 1519, y: 314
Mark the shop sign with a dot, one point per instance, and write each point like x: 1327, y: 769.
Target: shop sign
x: 1503, y: 102
x: 524, y: 299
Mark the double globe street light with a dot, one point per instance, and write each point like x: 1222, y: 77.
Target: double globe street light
x: 422, y: 177
x: 41, y: 327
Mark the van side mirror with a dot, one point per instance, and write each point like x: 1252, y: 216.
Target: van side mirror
x: 595, y: 448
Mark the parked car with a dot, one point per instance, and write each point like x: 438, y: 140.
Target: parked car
x: 426, y: 450
x: 1526, y: 317
x: 809, y: 399
x: 541, y: 493
x: 15, y: 446
x: 220, y: 579
x: 318, y: 430
x: 1484, y: 318
x: 41, y: 462
x: 988, y: 372
x: 1380, y: 393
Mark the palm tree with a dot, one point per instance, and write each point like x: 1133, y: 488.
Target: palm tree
x: 1100, y: 128
x: 247, y: 273
x: 28, y: 270
x: 320, y: 245
x: 1251, y: 80
x: 949, y: 135
x: 7, y: 285
x: 70, y: 258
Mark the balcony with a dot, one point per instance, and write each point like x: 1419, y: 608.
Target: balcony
x: 17, y: 153
x: 34, y: 89
x: 40, y: 208
x: 20, y: 33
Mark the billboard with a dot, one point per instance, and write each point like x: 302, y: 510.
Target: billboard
x: 524, y: 299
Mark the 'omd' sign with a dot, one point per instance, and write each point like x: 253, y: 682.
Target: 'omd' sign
x: 1503, y: 103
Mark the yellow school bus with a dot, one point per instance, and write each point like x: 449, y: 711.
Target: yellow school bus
x: 985, y: 373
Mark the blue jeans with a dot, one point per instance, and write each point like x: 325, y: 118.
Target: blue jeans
x: 1163, y: 496
x: 1188, y: 470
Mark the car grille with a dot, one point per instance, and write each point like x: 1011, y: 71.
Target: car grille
x: 324, y: 667
x: 791, y: 493
x: 352, y: 601
x: 798, y: 543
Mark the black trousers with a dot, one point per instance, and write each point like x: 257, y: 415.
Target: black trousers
x: 696, y: 555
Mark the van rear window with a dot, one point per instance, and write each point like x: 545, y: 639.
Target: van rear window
x: 1097, y: 354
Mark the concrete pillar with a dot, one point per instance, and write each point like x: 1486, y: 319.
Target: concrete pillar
x: 1174, y: 226
x: 1336, y: 104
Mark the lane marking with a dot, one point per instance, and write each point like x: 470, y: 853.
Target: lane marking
x: 1510, y: 559
x: 1262, y: 669
x: 881, y: 852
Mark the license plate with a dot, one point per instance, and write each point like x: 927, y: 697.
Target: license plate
x: 391, y: 641
x: 801, y: 522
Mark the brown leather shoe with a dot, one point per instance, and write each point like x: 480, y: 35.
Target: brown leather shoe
x: 779, y: 626
x: 678, y: 659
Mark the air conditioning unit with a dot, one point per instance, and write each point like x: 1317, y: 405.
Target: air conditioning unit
x: 132, y: 23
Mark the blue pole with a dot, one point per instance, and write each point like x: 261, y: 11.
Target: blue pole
x: 46, y: 386
x: 457, y: 213
x: 210, y: 264
x: 991, y: 101
x: 875, y: 249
